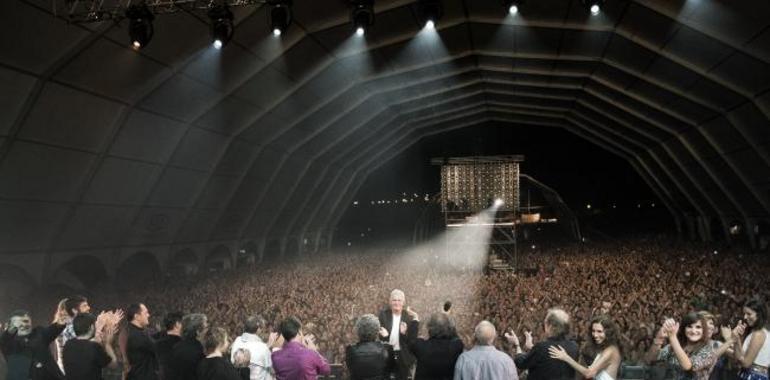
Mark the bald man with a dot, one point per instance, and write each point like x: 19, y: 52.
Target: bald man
x: 540, y: 365
x: 484, y: 361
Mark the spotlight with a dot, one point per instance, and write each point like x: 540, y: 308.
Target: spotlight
x: 221, y: 25
x: 430, y: 12
x: 362, y: 15
x: 280, y: 16
x: 594, y: 6
x: 513, y: 5
x: 140, y: 28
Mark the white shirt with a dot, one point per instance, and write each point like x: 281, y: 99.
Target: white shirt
x: 395, y: 330
x: 763, y: 356
x: 260, y: 365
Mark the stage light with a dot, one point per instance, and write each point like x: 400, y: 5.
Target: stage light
x: 362, y: 15
x: 513, y: 5
x: 430, y: 12
x: 222, y: 28
x: 140, y: 28
x: 499, y: 202
x: 594, y: 6
x: 280, y: 16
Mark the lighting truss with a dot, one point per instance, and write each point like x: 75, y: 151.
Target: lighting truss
x: 90, y: 11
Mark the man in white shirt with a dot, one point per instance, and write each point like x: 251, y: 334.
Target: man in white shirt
x: 392, y: 320
x: 260, y: 364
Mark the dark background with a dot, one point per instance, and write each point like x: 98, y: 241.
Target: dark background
x: 581, y: 172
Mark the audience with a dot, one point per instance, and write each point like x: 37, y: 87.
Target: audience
x: 215, y: 366
x: 140, y: 349
x: 753, y: 355
x: 260, y: 364
x: 689, y: 354
x: 538, y: 360
x: 298, y: 359
x: 393, y: 324
x: 166, y: 340
x: 84, y: 358
x: 638, y: 282
x: 369, y: 358
x: 484, y: 361
x: 27, y: 349
x: 437, y: 355
x: 186, y: 354
x: 604, y: 342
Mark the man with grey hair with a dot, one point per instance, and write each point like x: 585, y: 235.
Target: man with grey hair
x: 260, y: 364
x: 369, y: 358
x: 393, y: 324
x: 484, y: 361
x: 186, y: 354
x: 537, y: 360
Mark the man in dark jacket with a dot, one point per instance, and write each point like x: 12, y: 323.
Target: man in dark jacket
x: 436, y: 356
x: 140, y: 349
x: 27, y: 349
x: 539, y: 363
x: 368, y: 359
x: 390, y: 332
x: 188, y: 353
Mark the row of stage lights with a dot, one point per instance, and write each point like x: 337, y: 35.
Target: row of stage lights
x: 361, y: 18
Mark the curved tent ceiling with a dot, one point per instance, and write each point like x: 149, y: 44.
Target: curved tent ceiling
x: 270, y: 138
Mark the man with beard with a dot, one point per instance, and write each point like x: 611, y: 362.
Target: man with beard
x: 27, y: 349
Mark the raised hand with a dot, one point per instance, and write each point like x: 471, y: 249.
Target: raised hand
x: 402, y: 328
x: 528, y: 343
x: 512, y: 338
x: 272, y: 339
x: 309, y: 341
x: 384, y: 332
x: 557, y: 352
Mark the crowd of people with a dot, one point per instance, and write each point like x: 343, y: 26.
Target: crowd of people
x: 590, y: 308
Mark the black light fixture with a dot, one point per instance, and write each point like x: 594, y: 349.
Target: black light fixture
x: 513, y: 6
x: 280, y: 16
x: 594, y: 6
x: 362, y: 15
x: 430, y: 12
x: 140, y: 28
x: 222, y: 28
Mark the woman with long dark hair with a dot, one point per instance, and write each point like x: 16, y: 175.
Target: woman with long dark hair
x: 603, y: 340
x: 753, y: 355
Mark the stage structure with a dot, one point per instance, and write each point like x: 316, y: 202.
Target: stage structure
x: 470, y: 185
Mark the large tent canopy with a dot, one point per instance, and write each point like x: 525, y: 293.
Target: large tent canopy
x: 180, y: 148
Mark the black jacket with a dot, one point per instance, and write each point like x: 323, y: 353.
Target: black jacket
x: 386, y: 321
x: 436, y: 357
x: 369, y: 360
x: 35, y: 348
x: 184, y: 360
x: 540, y: 364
